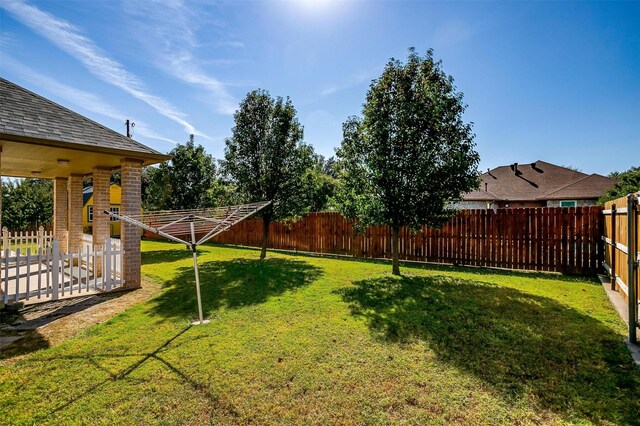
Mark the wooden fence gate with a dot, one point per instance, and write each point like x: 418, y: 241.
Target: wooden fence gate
x: 555, y: 239
x: 622, y: 253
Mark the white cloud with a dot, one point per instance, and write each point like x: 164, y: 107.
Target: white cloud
x: 167, y: 29
x: 185, y: 68
x: 86, y: 100
x: 69, y: 38
x: 234, y: 44
x: 143, y: 130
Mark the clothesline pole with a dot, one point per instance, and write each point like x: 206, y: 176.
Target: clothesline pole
x: 194, y: 248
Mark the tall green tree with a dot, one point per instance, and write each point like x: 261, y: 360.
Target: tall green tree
x: 320, y: 184
x: 27, y: 203
x: 411, y: 155
x: 626, y: 183
x: 189, y: 180
x: 266, y: 158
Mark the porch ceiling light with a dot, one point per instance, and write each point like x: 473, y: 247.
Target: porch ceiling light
x: 63, y: 163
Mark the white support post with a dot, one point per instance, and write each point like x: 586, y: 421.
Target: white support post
x: 5, y: 238
x: 5, y: 296
x: 106, y: 274
x: 40, y: 242
x: 17, y: 282
x: 55, y: 269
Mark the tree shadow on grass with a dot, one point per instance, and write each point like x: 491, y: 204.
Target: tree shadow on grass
x: 521, y: 345
x: 139, y: 359
x: 234, y: 283
x: 25, y: 323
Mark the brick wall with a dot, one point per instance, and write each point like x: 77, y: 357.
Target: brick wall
x: 462, y: 205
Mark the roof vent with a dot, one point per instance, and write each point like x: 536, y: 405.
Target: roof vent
x: 535, y: 167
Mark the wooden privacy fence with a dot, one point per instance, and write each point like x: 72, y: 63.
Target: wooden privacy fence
x: 622, y: 255
x: 46, y: 273
x: 543, y: 239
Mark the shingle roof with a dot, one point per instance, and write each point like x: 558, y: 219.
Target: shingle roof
x: 25, y: 114
x: 590, y: 186
x: 538, y: 181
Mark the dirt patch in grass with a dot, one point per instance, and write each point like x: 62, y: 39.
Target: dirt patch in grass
x: 65, y: 319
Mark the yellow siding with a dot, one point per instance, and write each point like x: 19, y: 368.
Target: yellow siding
x: 115, y: 195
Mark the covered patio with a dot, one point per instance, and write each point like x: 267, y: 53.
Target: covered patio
x: 41, y: 139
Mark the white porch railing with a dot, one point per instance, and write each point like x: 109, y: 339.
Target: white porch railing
x: 48, y: 274
x: 22, y: 240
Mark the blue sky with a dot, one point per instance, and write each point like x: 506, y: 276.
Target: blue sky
x: 549, y: 81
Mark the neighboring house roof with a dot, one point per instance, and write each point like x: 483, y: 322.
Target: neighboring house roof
x: 87, y: 193
x: 538, y: 181
x: 28, y: 117
x: 590, y: 186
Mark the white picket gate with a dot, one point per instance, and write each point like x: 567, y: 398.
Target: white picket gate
x: 87, y: 246
x: 47, y: 274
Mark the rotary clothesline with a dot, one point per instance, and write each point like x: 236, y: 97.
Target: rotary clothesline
x: 179, y: 225
x: 174, y: 224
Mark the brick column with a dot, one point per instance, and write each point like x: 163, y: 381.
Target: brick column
x: 1, y: 292
x: 0, y: 192
x: 131, y: 176
x: 60, y: 214
x: 101, y: 202
x: 74, y: 210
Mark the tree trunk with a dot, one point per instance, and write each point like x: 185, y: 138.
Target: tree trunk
x: 394, y: 251
x: 265, y: 236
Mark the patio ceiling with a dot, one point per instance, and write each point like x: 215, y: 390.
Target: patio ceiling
x: 47, y: 161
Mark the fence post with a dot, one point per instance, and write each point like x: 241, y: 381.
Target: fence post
x: 5, y: 238
x: 613, y: 247
x: 106, y: 274
x: 55, y: 268
x: 40, y: 241
x: 631, y: 262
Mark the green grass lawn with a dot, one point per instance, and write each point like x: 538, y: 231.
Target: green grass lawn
x: 307, y: 340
